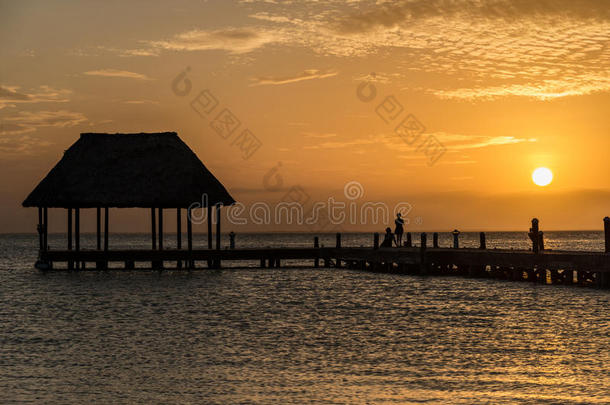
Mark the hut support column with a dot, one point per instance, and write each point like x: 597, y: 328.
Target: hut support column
x: 153, y: 223
x: 209, y: 227
x: 218, y: 226
x: 189, y: 236
x: 160, y: 228
x: 40, y: 237
x: 218, y: 207
x: 99, y: 228
x: 179, y: 234
x: 209, y: 208
x: 45, y: 229
x: 105, y: 263
x: 106, y: 229
x: 70, y: 263
x: 158, y: 264
x: 77, y: 233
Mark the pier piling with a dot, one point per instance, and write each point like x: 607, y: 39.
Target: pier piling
x: 482, y: 243
x: 607, y: 233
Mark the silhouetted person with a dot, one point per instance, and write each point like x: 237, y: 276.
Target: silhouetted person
x: 399, y: 228
x: 388, y: 238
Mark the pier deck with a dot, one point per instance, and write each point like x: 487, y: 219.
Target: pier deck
x: 558, y: 267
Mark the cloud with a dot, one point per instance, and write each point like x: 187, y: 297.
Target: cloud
x: 461, y: 142
x: 495, y: 48
x: 28, y: 121
x: 22, y: 145
x: 150, y: 102
x: 117, y: 73
x: 233, y: 40
x: 545, y: 90
x: 453, y: 142
x: 318, y: 135
x: 306, y: 75
x: 389, y: 14
x: 12, y: 95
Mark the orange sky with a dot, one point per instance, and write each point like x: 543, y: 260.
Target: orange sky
x: 504, y: 86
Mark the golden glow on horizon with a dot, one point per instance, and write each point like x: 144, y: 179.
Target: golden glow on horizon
x: 542, y: 176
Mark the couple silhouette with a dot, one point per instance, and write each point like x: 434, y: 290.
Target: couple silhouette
x: 395, y: 237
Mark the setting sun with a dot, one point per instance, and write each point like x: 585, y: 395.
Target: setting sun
x: 542, y: 176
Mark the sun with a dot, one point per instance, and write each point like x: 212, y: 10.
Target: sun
x: 542, y: 176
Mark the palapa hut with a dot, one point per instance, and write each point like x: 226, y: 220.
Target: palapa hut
x: 145, y: 170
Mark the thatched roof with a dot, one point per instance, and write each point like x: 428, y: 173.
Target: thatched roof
x: 128, y: 170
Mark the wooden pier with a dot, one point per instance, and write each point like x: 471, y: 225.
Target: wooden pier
x: 536, y: 265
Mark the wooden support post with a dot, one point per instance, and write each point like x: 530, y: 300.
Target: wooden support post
x: 456, y: 240
x: 435, y: 239
x: 70, y: 262
x: 262, y: 263
x: 153, y: 225
x: 178, y: 234
x: 69, y: 228
x: 482, y: 243
x: 106, y: 219
x: 39, y: 229
x: 423, y: 267
x: 316, y: 245
x: 218, y: 207
x: 189, y: 236
x: 605, y: 279
x: 376, y: 240
x: 77, y: 234
x: 209, y: 226
x: 98, y: 228
x: 568, y: 276
x: 338, y: 246
x: 45, y: 229
x: 409, y: 241
x: 542, y: 276
x: 77, y: 229
x: 607, y: 233
x: 160, y: 228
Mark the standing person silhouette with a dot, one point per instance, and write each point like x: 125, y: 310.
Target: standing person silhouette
x: 399, y: 229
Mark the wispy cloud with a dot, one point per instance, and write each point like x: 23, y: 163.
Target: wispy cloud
x: 453, y: 142
x: 309, y: 74
x: 234, y: 40
x: 318, y: 135
x: 142, y: 102
x: 28, y: 121
x: 117, y: 73
x: 20, y: 146
x: 545, y: 90
x: 12, y: 95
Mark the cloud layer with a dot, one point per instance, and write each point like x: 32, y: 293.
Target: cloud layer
x: 117, y: 73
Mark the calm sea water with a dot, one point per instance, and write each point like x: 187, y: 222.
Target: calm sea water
x: 246, y: 335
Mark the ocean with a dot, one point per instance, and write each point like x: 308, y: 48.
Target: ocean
x: 295, y: 335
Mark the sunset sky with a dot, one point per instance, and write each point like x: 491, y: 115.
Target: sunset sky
x: 503, y: 86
